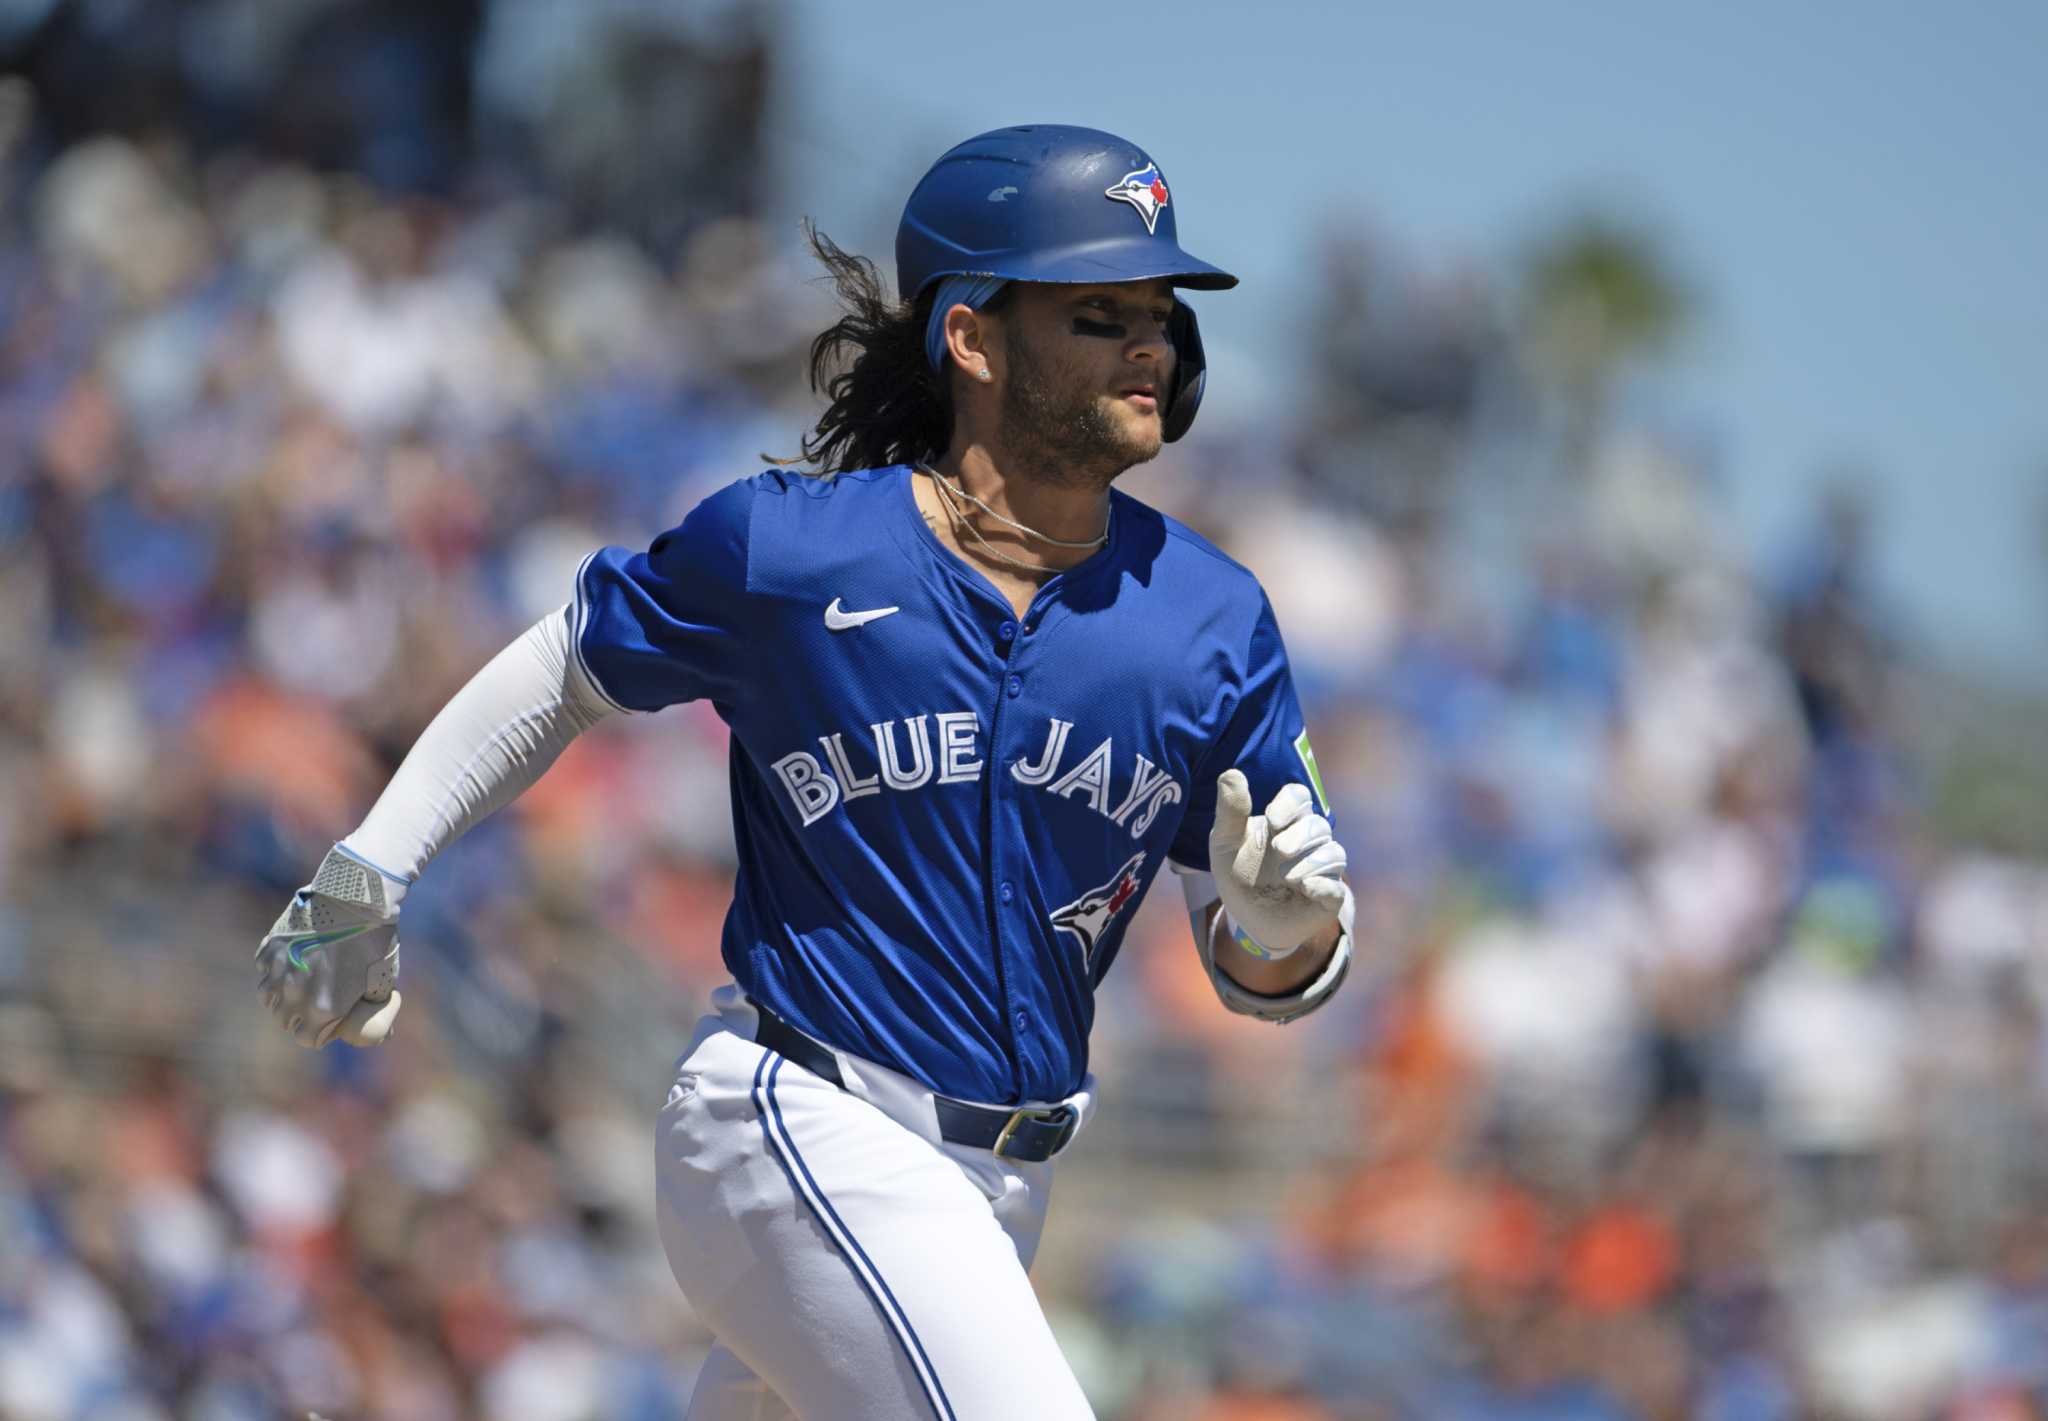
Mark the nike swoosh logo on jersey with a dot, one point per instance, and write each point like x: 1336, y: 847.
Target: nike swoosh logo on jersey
x: 314, y: 941
x: 839, y: 621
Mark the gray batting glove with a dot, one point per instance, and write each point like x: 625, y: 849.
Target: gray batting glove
x: 1280, y: 873
x: 329, y: 965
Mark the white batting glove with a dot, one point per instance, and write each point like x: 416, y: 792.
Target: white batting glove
x: 1280, y: 874
x: 328, y: 966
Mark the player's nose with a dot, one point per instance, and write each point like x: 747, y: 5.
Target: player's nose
x: 1149, y: 340
x: 1150, y: 348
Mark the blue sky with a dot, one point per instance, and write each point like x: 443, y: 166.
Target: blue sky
x: 1857, y: 192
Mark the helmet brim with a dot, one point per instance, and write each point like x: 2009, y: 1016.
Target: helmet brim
x: 1090, y: 263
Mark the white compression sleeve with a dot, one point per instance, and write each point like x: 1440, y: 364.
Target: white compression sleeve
x: 1200, y: 891
x: 486, y: 747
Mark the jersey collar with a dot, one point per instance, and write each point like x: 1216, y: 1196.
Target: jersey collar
x: 1105, y: 559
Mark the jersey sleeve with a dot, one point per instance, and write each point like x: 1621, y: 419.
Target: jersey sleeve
x: 668, y: 625
x: 1265, y: 736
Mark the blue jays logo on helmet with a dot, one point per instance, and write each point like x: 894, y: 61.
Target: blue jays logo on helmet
x: 1089, y: 916
x: 1144, y: 190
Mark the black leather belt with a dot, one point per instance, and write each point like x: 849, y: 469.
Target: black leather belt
x: 1026, y: 1134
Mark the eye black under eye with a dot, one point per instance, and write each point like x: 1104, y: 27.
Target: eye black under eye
x: 1108, y: 330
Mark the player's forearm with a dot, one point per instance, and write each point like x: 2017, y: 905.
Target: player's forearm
x: 496, y: 737
x: 1271, y: 977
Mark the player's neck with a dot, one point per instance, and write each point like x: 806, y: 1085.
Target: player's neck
x: 1071, y: 512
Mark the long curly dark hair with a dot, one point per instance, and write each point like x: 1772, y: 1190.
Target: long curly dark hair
x: 886, y: 404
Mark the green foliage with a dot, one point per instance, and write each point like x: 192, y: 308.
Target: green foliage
x: 1599, y: 294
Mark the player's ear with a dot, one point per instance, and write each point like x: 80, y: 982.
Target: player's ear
x: 971, y: 344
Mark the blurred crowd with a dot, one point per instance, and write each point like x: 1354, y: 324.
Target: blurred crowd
x: 1692, y: 1070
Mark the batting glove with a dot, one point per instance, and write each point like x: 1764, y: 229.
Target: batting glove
x: 1280, y: 874
x: 328, y: 966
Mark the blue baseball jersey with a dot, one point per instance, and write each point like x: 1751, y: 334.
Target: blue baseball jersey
x: 945, y: 813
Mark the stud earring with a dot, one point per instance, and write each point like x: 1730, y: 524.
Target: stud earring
x: 983, y: 375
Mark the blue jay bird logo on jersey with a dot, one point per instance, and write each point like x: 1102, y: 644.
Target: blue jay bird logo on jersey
x: 1144, y: 190
x: 1089, y: 916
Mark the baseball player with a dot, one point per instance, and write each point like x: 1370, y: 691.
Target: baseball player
x: 978, y: 699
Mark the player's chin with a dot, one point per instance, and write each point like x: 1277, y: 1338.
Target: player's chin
x: 1140, y: 431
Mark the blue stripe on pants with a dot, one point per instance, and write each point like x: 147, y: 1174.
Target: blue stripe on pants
x: 783, y: 1145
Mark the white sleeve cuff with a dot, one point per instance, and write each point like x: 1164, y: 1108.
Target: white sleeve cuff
x: 486, y: 747
x: 1200, y: 891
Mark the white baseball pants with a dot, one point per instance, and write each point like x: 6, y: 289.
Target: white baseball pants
x: 852, y: 1265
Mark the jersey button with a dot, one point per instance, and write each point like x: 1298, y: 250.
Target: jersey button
x: 1016, y: 687
x: 1022, y: 1021
x: 1006, y: 631
x: 1006, y: 893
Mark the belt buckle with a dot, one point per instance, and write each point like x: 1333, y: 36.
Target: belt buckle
x: 1066, y: 1115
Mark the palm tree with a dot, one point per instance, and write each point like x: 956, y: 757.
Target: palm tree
x: 1598, y: 295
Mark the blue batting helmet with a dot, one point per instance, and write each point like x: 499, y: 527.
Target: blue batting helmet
x: 1048, y: 202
